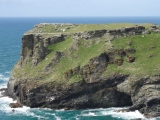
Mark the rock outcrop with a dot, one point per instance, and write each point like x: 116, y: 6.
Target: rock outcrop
x: 94, y: 90
x: 35, y: 47
x: 116, y: 33
x: 15, y: 105
x: 79, y: 95
x: 94, y: 69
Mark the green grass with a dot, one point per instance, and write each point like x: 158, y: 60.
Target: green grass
x: 87, y: 49
x: 147, y: 58
x: 36, y: 72
x: 72, y: 58
x: 50, y: 28
x: 62, y: 46
x: 84, y: 53
x: 90, y: 27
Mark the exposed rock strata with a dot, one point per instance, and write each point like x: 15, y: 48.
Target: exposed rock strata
x: 116, y: 33
x: 35, y: 47
x: 94, y: 90
x: 94, y: 69
x: 77, y: 96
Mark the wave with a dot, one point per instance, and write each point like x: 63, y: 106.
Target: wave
x: 38, y: 113
x: 4, y: 78
x: 5, y: 101
x: 7, y: 72
x: 124, y: 115
x: 112, y: 112
x: 48, y: 113
x: 24, y: 111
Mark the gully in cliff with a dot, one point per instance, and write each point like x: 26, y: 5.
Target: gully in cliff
x: 97, y: 68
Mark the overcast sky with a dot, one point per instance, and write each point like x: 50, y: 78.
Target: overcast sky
x: 52, y: 8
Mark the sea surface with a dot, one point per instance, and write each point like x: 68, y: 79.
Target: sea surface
x: 11, y: 31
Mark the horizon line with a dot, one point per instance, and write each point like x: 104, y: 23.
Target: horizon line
x: 68, y: 16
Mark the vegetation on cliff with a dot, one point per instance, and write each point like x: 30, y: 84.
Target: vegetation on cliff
x: 76, y: 52
x: 89, y: 66
x: 147, y: 55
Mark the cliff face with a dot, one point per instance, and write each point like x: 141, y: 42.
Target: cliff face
x: 35, y: 47
x: 78, y: 70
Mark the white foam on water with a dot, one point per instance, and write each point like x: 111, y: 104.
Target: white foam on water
x: 77, y: 118
x: 4, y: 104
x: 24, y: 111
x: 56, y: 117
x: 7, y: 72
x: 3, y: 85
x: 3, y: 78
x: 5, y: 101
x: 27, y: 111
x: 60, y: 110
x: 125, y: 115
x: 89, y: 114
x: 112, y: 112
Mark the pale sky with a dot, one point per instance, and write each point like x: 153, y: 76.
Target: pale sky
x: 68, y: 8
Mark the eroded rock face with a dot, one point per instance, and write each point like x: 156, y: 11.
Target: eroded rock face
x: 93, y: 71
x: 35, y: 47
x: 116, y: 33
x: 114, y: 91
x: 144, y: 93
x: 79, y: 95
x: 94, y: 90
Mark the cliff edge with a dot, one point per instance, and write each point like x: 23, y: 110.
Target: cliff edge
x: 70, y: 66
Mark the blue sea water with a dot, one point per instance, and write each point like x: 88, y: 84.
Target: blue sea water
x: 11, y: 31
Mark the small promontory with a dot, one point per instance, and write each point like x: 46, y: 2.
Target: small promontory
x: 79, y: 66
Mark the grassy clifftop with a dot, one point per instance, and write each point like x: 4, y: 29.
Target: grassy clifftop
x: 72, y: 51
x: 46, y: 28
x: 147, y: 55
x: 68, y: 66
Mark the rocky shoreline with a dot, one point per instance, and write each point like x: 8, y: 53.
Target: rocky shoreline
x: 94, y: 90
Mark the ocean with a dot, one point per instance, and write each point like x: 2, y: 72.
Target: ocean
x: 11, y: 31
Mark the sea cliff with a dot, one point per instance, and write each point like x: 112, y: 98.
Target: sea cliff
x: 70, y: 66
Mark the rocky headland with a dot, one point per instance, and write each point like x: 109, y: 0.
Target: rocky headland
x: 70, y: 66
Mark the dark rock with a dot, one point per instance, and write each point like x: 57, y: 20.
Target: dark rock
x: 94, y: 90
x: 15, y: 105
x: 129, y: 51
x: 3, y: 92
x: 154, y: 27
x: 36, y: 47
x: 76, y: 70
x: 152, y: 47
x: 130, y: 59
x: 116, y: 33
x: 76, y: 96
x: 122, y: 110
x: 136, y: 107
x: 118, y: 61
